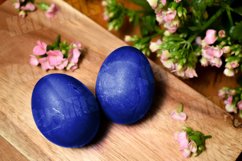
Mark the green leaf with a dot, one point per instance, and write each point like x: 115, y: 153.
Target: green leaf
x: 142, y: 3
x: 43, y: 6
x: 238, y: 10
x: 147, y: 25
x: 235, y: 31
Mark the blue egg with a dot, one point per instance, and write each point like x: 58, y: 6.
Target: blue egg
x: 125, y: 85
x: 65, y: 111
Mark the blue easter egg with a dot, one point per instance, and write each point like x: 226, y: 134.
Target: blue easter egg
x: 65, y: 111
x: 125, y: 85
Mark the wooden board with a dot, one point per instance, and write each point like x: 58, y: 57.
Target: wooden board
x: 150, y: 139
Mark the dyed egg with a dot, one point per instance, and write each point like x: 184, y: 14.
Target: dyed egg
x: 65, y: 111
x: 125, y: 85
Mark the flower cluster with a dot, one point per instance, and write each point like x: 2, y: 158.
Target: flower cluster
x: 232, y: 100
x: 59, y: 55
x: 26, y: 6
x: 192, y: 143
x: 168, y: 16
x: 50, y: 10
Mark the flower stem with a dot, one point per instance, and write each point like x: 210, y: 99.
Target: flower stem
x: 207, y: 24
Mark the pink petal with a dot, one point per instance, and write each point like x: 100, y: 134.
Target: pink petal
x: 52, y: 10
x: 55, y: 57
x: 75, y: 54
x: 210, y: 37
x: 40, y: 48
x: 179, y: 116
x: 28, y: 7
x: 45, y: 65
x: 239, y: 104
x: 16, y: 5
x: 192, y: 146
x: 33, y: 60
x: 186, y: 153
x: 163, y: 2
x: 62, y: 65
x: 73, y: 68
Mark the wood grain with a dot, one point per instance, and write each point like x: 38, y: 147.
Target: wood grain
x: 150, y: 139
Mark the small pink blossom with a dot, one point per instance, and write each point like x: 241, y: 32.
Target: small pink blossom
x: 177, y: 1
x: 52, y: 11
x: 28, y: 7
x: 169, y: 15
x: 229, y: 100
x: 216, y: 62
x: 182, y: 139
x: 229, y: 72
x: 179, y: 116
x: 192, y: 146
x: 226, y: 49
x: 168, y: 64
x: 165, y: 55
x: 45, y: 65
x: 210, y: 52
x: 74, y: 55
x: 198, y: 40
x: 163, y: 2
x: 62, y: 65
x: 210, y: 37
x: 153, y: 3
x: 204, y: 62
x: 186, y: 153
x: 16, y: 5
x: 33, y: 60
x: 230, y: 108
x: 154, y: 46
x: 232, y: 65
x: 22, y: 13
x: 221, y: 34
x: 55, y: 57
x: 239, y: 105
x: 40, y: 48
x: 190, y: 73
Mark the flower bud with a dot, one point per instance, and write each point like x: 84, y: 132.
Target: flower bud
x: 229, y: 72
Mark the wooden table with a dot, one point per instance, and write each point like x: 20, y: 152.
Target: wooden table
x: 94, y: 10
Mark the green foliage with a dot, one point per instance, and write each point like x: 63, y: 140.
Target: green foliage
x: 236, y: 31
x: 199, y: 138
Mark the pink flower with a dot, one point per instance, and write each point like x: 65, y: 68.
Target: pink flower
x: 169, y: 15
x: 168, y: 64
x: 204, y: 62
x: 198, y: 40
x: 154, y: 46
x: 230, y: 108
x: 192, y: 146
x: 229, y: 100
x: 45, y: 65
x: 232, y: 64
x: 216, y: 62
x: 226, y: 49
x: 153, y: 3
x: 179, y: 116
x: 28, y: 7
x: 186, y: 153
x: 229, y: 72
x: 40, y: 48
x: 210, y: 37
x: 163, y: 2
x: 22, y: 14
x: 77, y: 45
x: 52, y: 10
x: 221, y: 33
x: 33, y: 60
x: 221, y: 93
x: 239, y: 105
x: 190, y: 73
x: 16, y: 5
x: 165, y: 55
x: 74, y: 55
x: 210, y: 52
x: 62, y: 65
x: 55, y: 57
x: 182, y: 139
x: 177, y: 1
